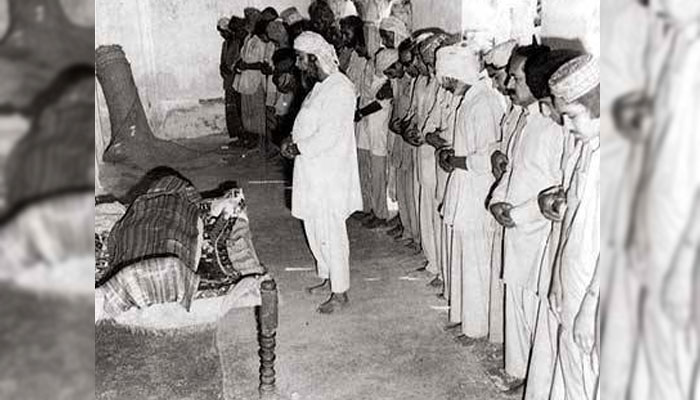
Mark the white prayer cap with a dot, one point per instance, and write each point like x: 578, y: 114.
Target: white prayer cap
x: 291, y: 16
x: 313, y: 43
x: 459, y: 62
x: 384, y: 59
x: 575, y: 78
x: 222, y: 24
x: 395, y: 25
x: 500, y: 54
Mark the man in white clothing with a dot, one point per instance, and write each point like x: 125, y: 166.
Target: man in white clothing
x: 468, y: 162
x: 534, y: 155
x: 575, y: 292
x: 428, y: 97
x: 538, y: 71
x: 424, y: 98
x: 496, y: 63
x: 326, y: 179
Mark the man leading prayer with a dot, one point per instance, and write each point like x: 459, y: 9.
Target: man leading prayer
x: 326, y: 183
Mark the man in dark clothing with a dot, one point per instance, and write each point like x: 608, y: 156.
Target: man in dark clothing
x: 233, y: 32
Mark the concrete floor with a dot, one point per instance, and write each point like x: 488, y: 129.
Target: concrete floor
x: 389, y: 344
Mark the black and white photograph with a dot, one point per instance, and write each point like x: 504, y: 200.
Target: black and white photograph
x: 335, y: 199
x: 349, y: 199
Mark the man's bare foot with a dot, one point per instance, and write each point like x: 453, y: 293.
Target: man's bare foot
x: 376, y: 223
x: 394, y: 222
x: 358, y: 215
x: 436, y: 282
x: 324, y: 286
x: 395, y: 232
x: 452, y: 326
x: 367, y: 217
x: 423, y: 268
x: 415, y: 247
x: 504, y: 382
x: 466, y: 341
x: 334, y: 303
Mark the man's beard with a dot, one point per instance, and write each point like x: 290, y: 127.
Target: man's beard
x: 310, y: 77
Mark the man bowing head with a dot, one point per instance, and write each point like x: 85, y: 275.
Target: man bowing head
x: 326, y: 186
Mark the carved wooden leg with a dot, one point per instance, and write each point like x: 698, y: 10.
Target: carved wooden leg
x: 267, y: 322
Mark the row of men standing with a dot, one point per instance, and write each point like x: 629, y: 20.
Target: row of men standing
x: 263, y: 89
x: 496, y: 185
x: 259, y: 79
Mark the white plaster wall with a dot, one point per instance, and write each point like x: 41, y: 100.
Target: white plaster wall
x: 503, y: 19
x: 446, y: 14
x: 572, y: 19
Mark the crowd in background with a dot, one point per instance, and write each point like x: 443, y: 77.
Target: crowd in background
x: 491, y: 153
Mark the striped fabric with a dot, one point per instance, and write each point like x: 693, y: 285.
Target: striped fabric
x: 57, y: 155
x: 149, y: 282
x: 170, y: 279
x: 160, y: 223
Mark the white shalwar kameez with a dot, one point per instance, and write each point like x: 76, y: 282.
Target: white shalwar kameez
x: 534, y: 155
x: 575, y: 373
x: 544, y: 349
x: 425, y: 97
x: 442, y: 120
x: 373, y: 134
x: 476, y: 132
x: 511, y: 121
x: 326, y: 180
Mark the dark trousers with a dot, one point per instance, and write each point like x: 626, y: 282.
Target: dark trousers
x: 234, y: 126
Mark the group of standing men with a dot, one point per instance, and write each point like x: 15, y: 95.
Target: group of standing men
x: 260, y: 82
x: 493, y: 156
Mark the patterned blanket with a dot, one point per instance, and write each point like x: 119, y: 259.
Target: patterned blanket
x: 162, y: 222
x: 227, y: 256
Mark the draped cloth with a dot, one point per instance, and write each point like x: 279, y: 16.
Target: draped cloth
x: 165, y: 291
x: 55, y: 157
x: 313, y: 43
x: 162, y: 222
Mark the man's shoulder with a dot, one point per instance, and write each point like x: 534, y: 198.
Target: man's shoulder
x: 485, y: 99
x: 342, y: 85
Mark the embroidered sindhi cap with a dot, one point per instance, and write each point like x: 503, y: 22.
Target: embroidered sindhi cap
x: 575, y: 78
